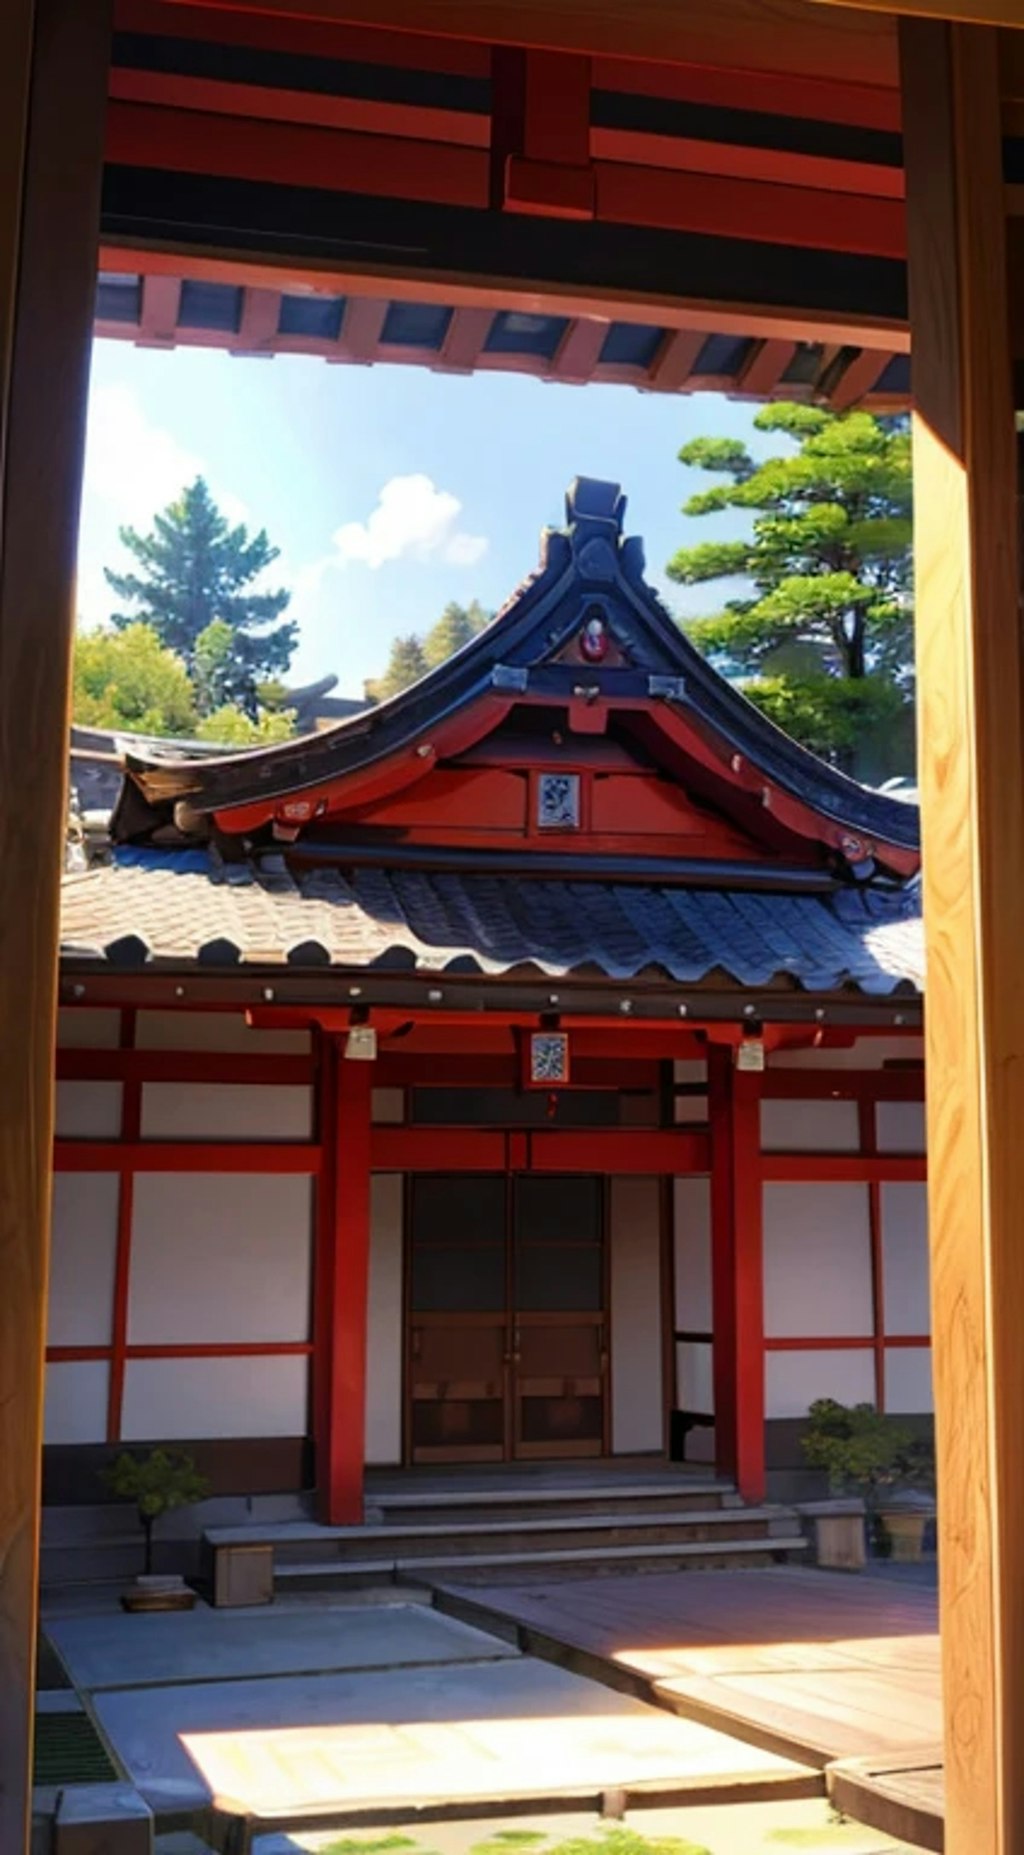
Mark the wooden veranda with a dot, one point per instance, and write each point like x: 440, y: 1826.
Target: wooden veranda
x: 875, y: 248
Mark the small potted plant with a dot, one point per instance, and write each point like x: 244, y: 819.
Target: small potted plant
x: 863, y: 1454
x: 904, y: 1515
x: 158, y: 1483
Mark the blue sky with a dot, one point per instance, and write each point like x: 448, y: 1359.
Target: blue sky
x: 389, y: 490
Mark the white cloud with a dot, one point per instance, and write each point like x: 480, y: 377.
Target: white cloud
x: 412, y: 517
x: 135, y: 467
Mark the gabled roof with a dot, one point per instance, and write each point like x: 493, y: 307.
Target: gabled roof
x: 530, y: 653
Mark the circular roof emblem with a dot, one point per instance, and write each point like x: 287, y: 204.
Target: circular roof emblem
x: 594, y: 640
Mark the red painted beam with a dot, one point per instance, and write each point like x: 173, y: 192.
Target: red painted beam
x: 862, y: 372
x: 746, y: 161
x: 843, y: 1168
x: 253, y: 1156
x: 844, y: 1084
x: 737, y: 1273
x: 362, y: 115
x: 316, y: 38
x: 467, y: 331
x: 673, y: 1152
x: 295, y: 155
x: 540, y: 133
x: 763, y: 371
x: 750, y: 210
x: 131, y: 1117
x: 868, y: 106
x: 262, y: 1068
x: 346, y: 1438
x: 158, y: 317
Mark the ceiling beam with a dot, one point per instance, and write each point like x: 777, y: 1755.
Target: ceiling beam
x: 793, y: 36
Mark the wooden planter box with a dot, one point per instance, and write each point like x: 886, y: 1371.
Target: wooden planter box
x: 837, y: 1531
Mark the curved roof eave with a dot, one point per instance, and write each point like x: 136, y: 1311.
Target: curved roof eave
x: 588, y: 560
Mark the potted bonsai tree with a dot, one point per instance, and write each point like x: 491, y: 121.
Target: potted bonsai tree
x: 157, y: 1483
x: 866, y: 1455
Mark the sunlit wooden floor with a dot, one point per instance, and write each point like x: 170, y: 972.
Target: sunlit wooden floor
x: 816, y: 1665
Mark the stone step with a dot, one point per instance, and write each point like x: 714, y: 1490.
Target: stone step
x: 521, y: 1537
x: 435, y: 1508
x: 519, y: 1568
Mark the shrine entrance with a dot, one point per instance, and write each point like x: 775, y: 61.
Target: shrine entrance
x: 507, y: 1317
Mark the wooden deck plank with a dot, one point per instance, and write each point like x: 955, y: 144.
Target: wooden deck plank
x: 815, y: 1666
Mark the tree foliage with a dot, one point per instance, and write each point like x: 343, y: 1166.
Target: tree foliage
x: 194, y: 583
x: 822, y: 631
x: 412, y: 656
x: 128, y: 680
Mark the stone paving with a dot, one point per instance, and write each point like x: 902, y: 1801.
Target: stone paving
x: 198, y: 1705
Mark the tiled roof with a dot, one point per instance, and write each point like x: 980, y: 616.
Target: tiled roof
x: 185, y: 907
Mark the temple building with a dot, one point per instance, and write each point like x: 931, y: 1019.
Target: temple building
x: 527, y: 1068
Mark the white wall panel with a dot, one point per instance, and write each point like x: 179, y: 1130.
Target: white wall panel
x: 810, y: 1127
x: 692, y: 1239
x: 83, y: 1248
x: 908, y: 1380
x: 817, y: 1261
x: 192, y: 1398
x: 79, y: 1028
x: 900, y: 1126
x: 219, y: 1111
x: 388, y: 1107
x: 88, y: 1110
x: 212, y: 1030
x: 794, y: 1380
x: 636, y: 1337
x: 863, y: 1053
x: 76, y: 1401
x: 905, y: 1258
x: 690, y: 1110
x: 384, y: 1321
x: 695, y: 1385
x: 217, y: 1257
x: 690, y: 1069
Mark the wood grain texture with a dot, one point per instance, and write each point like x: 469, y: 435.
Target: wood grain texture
x: 792, y: 36
x: 47, y: 283
x: 971, y: 733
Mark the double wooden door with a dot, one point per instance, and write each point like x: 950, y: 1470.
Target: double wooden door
x: 507, y: 1340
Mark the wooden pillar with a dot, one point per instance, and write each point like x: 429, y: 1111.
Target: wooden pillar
x: 737, y: 1274
x: 343, y: 1277
x: 971, y: 735
x: 53, y: 63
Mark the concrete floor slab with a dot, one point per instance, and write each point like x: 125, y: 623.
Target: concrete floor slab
x: 112, y: 1650
x: 491, y: 1729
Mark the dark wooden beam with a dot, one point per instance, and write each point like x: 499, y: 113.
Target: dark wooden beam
x: 53, y: 70
x: 970, y: 662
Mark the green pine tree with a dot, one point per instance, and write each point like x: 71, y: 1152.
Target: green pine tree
x: 457, y: 625
x: 194, y: 570
x: 823, y: 638
x: 405, y: 666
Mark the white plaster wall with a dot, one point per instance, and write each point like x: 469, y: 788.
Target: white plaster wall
x: 384, y: 1321
x: 387, y: 1107
x: 185, y: 1398
x: 810, y: 1127
x: 863, y: 1053
x: 692, y: 1241
x: 636, y: 1337
x: 212, y: 1030
x: 695, y: 1385
x: 221, y: 1111
x: 75, y: 1410
x: 83, y: 1247
x: 817, y: 1261
x: 908, y: 1380
x: 899, y: 1126
x: 88, y: 1110
x: 220, y: 1258
x: 688, y: 1109
x: 794, y: 1380
x: 904, y: 1209
x: 79, y: 1028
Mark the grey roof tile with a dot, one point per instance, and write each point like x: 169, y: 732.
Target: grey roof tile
x: 181, y: 907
